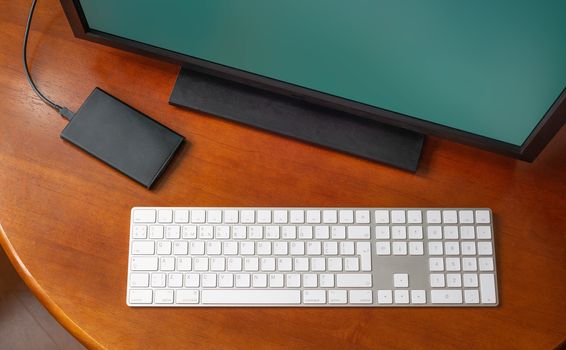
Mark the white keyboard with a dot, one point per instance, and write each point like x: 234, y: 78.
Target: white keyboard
x: 311, y: 257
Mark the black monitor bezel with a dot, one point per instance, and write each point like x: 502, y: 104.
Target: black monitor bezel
x: 541, y: 135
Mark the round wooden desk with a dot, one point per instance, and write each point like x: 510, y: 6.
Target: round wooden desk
x: 65, y: 215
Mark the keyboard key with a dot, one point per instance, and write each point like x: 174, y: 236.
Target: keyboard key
x: 314, y: 248
x: 143, y: 248
x: 214, y: 216
x: 192, y: 280
x: 452, y: 248
x: 401, y: 296
x: 363, y: 249
x: 471, y: 296
x: 399, y: 232
x: 305, y: 232
x: 351, y: 264
x: 259, y: 280
x: 234, y: 264
x: 416, y: 248
x: 467, y: 232
x: 415, y: 232
x: 433, y: 217
x: 452, y: 264
x: 483, y: 232
x: 164, y: 296
x: 163, y: 248
x: 382, y: 232
x: 314, y: 296
x: 313, y: 216
x: 293, y: 280
x: 158, y: 279
x: 437, y: 280
x: 243, y: 280
x: 181, y: 248
x: 139, y: 280
x: 301, y: 264
x: 276, y: 280
x: 321, y: 232
x: 450, y: 232
x: 139, y: 263
x: 434, y: 232
x: 446, y: 296
x: 470, y: 280
x: 231, y: 216
x: 247, y: 216
x: 469, y: 264
x: 362, y: 216
x: 337, y: 297
x: 175, y: 280
x: 140, y: 232
x: 264, y: 216
x: 487, y: 288
x: 382, y: 216
x: 383, y: 248
x: 384, y: 296
x: 329, y: 216
x: 335, y: 264
x: 485, y: 248
x: 466, y: 216
x: 453, y: 280
x: 198, y: 216
x: 347, y: 248
x: 318, y: 264
x: 486, y: 264
x: 346, y: 216
x: 353, y: 280
x: 310, y: 280
x: 141, y: 296
x: 338, y: 232
x: 297, y: 216
x: 326, y: 280
x: 187, y: 296
x: 400, y: 280
x: 414, y: 217
x: 399, y: 248
x: 398, y: 216
x: 251, y: 296
x: 483, y: 217
x: 360, y: 296
x: 449, y: 216
x: 436, y: 264
x: 330, y: 248
x: 146, y: 216
x: 418, y: 296
x: 358, y: 232
x: 280, y: 216
x: 468, y: 248
x: 435, y: 248
x: 289, y: 232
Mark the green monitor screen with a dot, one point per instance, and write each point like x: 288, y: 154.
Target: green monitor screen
x: 488, y: 68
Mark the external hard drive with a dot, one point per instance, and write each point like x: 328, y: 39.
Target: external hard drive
x: 122, y: 137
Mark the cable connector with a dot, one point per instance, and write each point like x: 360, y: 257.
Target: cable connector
x: 66, y: 113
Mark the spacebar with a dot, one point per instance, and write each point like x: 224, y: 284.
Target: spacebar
x: 264, y: 296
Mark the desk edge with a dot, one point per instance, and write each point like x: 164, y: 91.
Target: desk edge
x: 58, y: 313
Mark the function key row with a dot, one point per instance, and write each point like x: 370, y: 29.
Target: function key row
x: 312, y: 216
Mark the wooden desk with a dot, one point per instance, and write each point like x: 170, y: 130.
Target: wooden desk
x: 65, y: 215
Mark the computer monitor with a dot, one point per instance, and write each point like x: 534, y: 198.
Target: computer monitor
x: 490, y: 74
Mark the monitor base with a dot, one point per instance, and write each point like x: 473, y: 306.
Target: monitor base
x: 298, y: 119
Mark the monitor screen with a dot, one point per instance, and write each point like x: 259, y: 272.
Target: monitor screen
x: 490, y: 68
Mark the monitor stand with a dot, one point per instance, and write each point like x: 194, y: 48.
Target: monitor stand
x: 298, y: 119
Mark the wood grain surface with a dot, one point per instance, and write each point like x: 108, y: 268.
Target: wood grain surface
x: 65, y: 215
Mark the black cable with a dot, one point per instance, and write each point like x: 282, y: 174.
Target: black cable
x: 65, y: 112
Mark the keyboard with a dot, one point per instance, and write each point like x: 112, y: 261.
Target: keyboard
x: 323, y: 257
